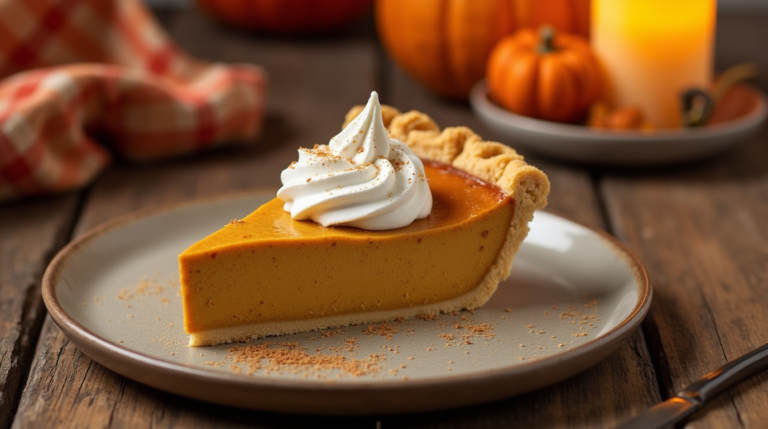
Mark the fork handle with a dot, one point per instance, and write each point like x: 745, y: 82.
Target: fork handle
x: 713, y: 383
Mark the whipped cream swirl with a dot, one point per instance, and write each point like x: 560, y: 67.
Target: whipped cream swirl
x: 362, y: 178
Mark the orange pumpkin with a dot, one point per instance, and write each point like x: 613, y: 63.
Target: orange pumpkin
x: 287, y: 17
x: 622, y: 118
x: 544, y: 75
x: 566, y: 16
x: 444, y: 44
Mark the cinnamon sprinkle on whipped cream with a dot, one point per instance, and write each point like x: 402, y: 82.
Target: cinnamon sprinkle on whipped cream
x: 361, y: 178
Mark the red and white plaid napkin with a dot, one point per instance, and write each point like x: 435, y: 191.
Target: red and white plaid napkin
x: 78, y: 76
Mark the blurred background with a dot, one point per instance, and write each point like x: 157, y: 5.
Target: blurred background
x: 727, y: 5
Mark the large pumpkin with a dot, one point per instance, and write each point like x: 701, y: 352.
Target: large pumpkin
x: 444, y: 44
x: 544, y: 75
x: 287, y: 17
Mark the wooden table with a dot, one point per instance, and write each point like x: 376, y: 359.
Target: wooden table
x: 701, y: 229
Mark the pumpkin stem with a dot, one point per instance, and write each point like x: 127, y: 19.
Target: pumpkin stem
x: 547, y: 38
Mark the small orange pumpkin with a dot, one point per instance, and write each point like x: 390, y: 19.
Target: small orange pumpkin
x: 602, y: 116
x: 546, y: 76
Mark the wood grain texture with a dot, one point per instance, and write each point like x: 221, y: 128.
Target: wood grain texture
x: 32, y: 231
x: 603, y: 396
x: 318, y: 81
x: 701, y: 231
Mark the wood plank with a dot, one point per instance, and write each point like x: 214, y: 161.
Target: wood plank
x: 701, y: 231
x: 315, y: 83
x: 31, y: 232
x: 702, y: 234
x: 604, y: 395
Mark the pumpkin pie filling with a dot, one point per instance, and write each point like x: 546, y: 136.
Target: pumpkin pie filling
x: 268, y: 267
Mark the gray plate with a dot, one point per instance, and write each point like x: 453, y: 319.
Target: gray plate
x: 573, y: 296
x: 624, y: 148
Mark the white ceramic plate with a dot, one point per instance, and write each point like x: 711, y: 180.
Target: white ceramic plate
x: 629, y: 148
x: 573, y: 296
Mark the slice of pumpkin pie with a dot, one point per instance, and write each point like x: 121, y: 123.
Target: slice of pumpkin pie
x: 393, y: 218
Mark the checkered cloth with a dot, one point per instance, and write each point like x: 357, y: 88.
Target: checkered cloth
x: 82, y: 79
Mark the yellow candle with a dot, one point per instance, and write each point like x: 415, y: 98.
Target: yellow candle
x: 653, y: 50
